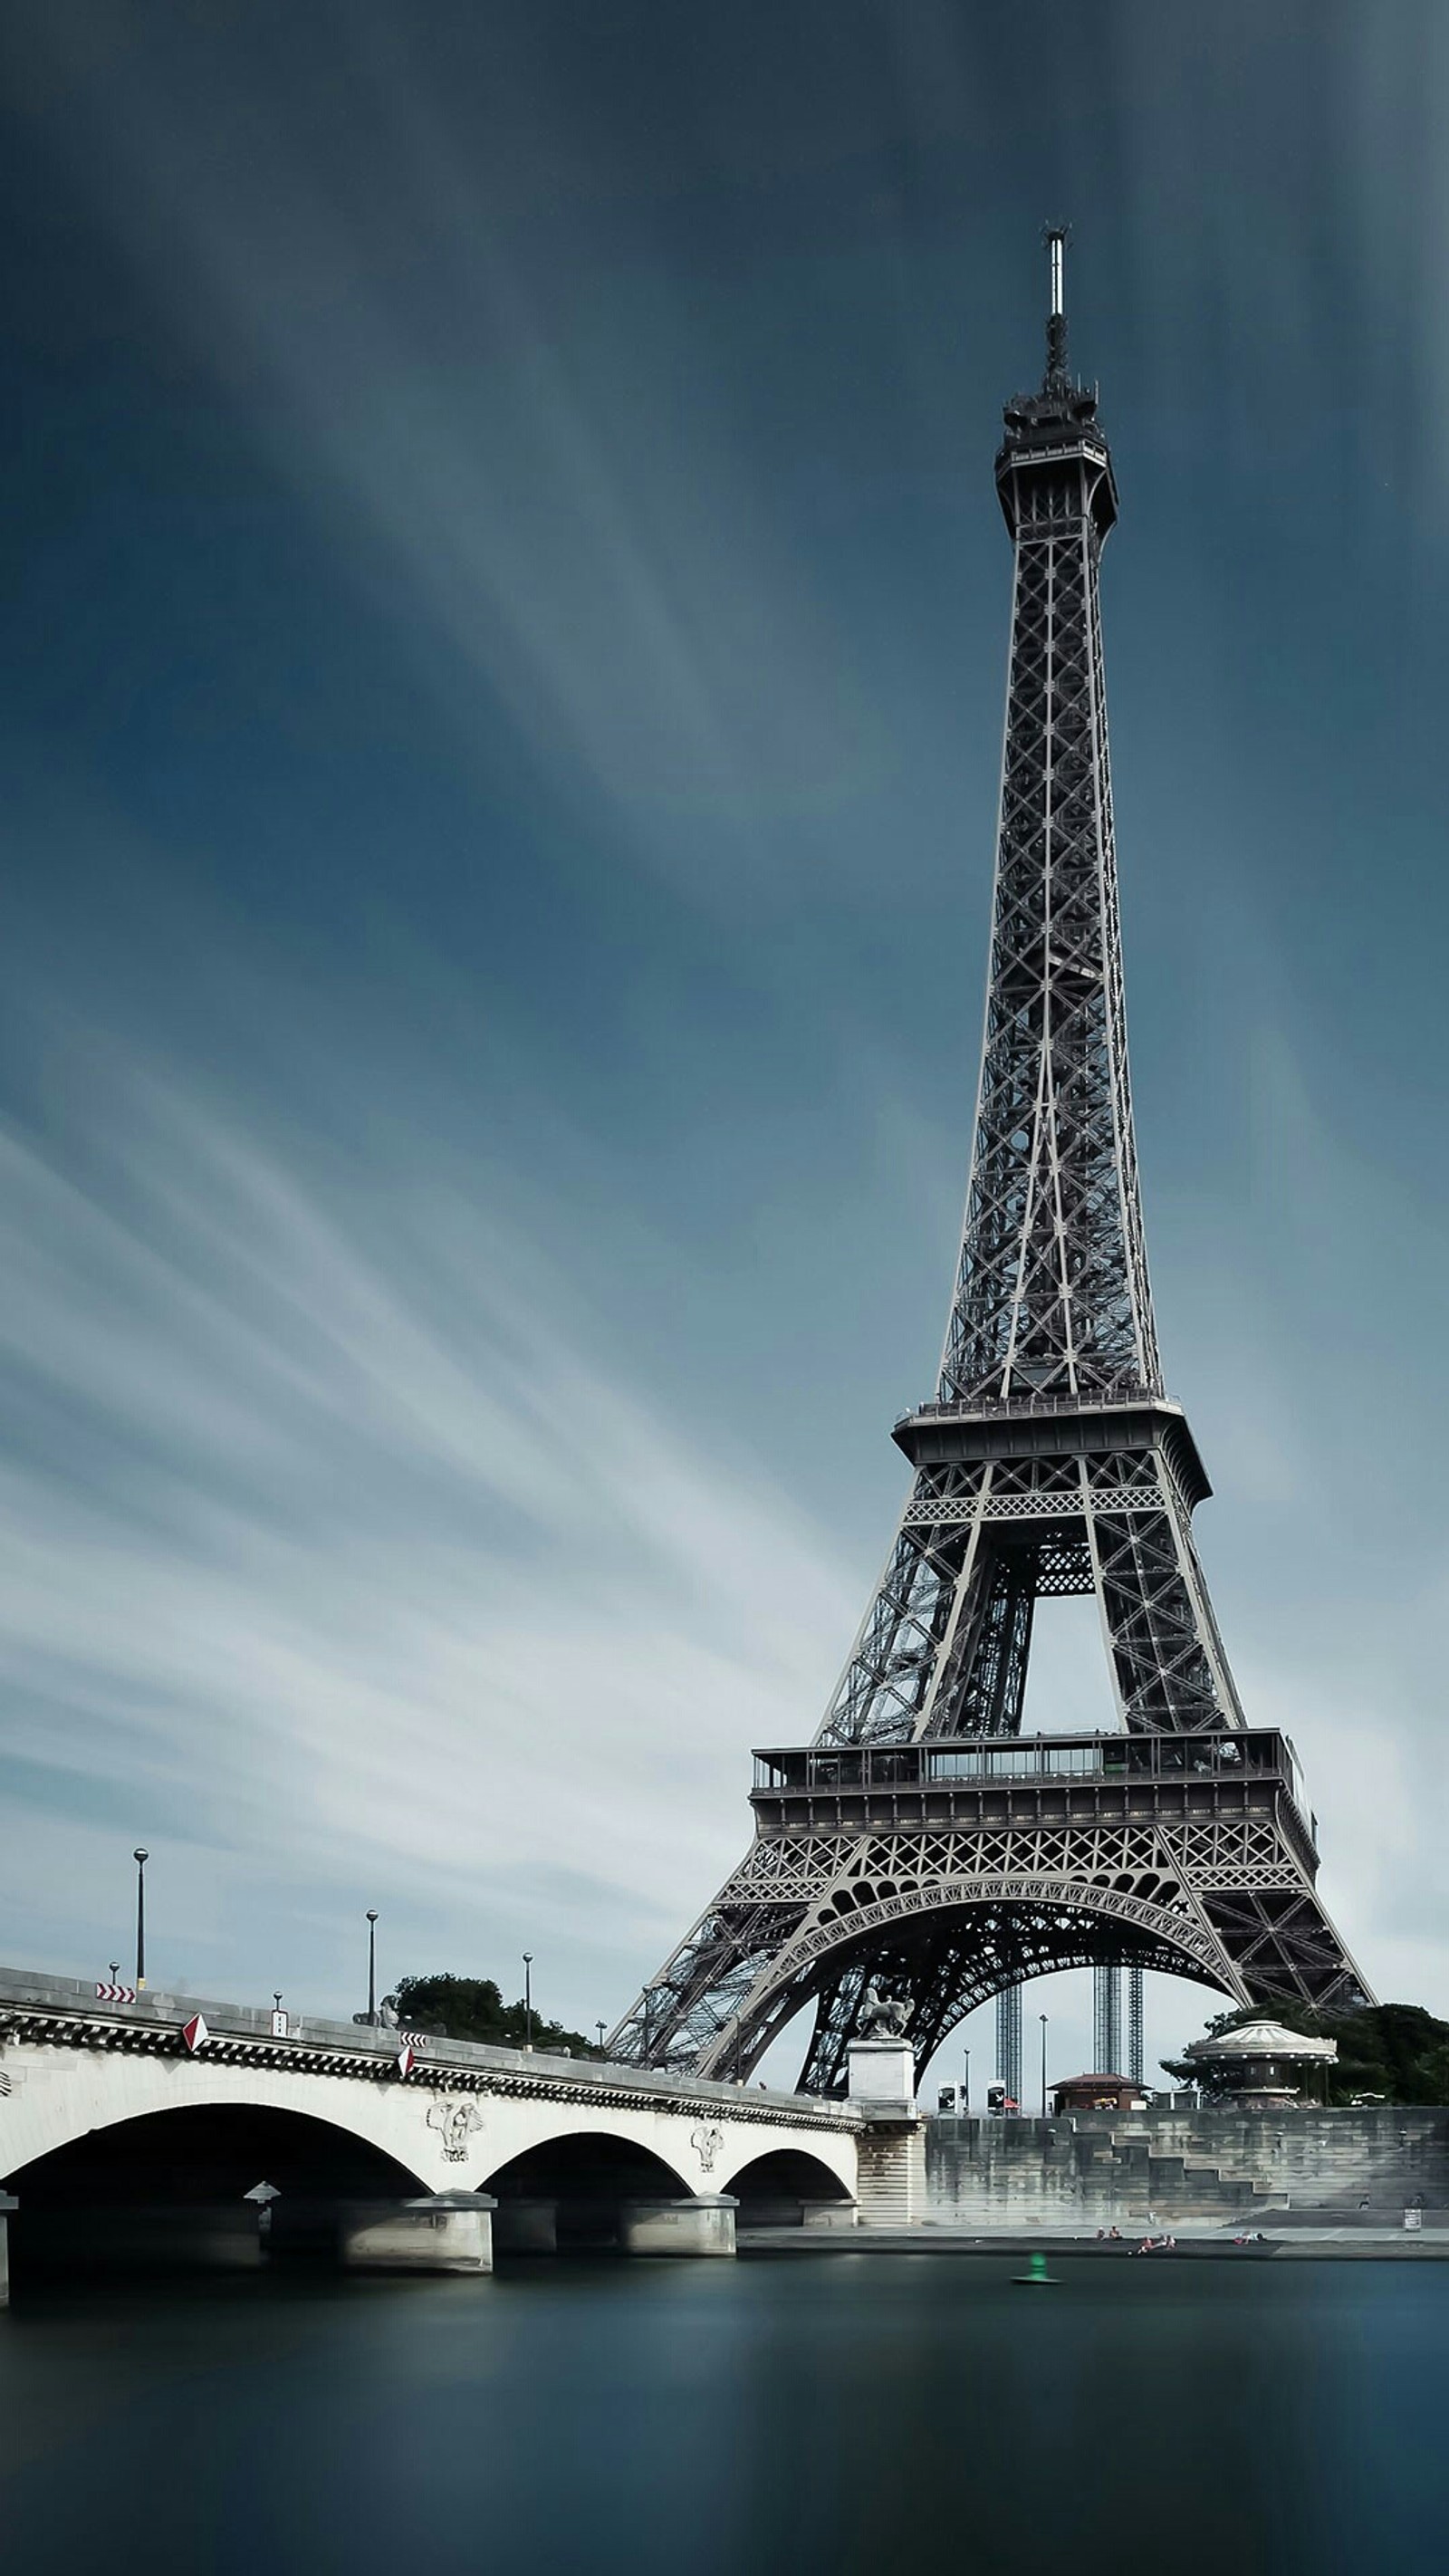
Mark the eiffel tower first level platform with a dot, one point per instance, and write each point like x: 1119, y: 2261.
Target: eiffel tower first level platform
x: 921, y: 1842
x: 945, y: 1872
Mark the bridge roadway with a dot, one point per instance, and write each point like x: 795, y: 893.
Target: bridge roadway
x: 414, y: 2156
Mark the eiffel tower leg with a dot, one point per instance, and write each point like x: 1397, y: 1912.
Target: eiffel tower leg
x: 693, y: 2014
x: 1285, y: 1949
x: 1168, y: 1665
x: 943, y: 1648
x: 919, y: 1621
x: 982, y: 1684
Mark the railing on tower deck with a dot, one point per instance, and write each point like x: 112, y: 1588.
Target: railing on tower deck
x: 1259, y: 1753
x: 968, y: 1407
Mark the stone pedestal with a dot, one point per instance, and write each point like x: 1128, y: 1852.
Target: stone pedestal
x: 828, y: 2213
x: 882, y: 2073
x: 702, y: 2226
x: 525, y: 2227
x: 890, y: 2153
x: 7, y: 2203
x: 445, y: 2231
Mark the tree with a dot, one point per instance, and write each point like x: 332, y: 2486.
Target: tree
x: 1398, y: 2051
x: 473, y: 2008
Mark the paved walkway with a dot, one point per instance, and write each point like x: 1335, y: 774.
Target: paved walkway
x: 1304, y: 2244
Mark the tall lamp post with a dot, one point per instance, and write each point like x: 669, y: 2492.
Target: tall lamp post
x: 140, y: 1856
x: 601, y: 2027
x: 528, y: 1999
x: 965, y: 2080
x: 1043, y: 2065
x: 372, y: 1967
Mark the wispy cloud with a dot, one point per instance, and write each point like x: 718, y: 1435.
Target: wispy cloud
x: 345, y: 1546
x: 550, y: 486
x: 620, y: 408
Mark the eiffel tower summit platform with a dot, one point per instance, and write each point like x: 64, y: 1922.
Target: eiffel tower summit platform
x: 921, y: 1844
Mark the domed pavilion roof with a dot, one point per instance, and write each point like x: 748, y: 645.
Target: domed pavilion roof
x: 1262, y: 2038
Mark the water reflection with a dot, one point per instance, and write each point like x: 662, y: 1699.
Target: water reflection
x: 849, y: 2412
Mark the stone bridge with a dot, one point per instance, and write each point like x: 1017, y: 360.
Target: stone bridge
x: 147, y: 2127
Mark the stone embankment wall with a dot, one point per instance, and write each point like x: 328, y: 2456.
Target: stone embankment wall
x: 1101, y: 2168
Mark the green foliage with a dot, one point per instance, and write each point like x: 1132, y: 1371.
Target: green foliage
x: 1398, y: 2051
x: 473, y: 2008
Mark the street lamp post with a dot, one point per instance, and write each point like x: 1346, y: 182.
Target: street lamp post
x: 601, y: 2027
x: 1043, y: 2066
x: 372, y: 1967
x: 965, y: 2081
x: 528, y: 1999
x: 140, y: 1856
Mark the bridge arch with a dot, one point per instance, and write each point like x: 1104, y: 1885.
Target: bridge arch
x: 584, y: 2180
x: 786, y: 2187
x: 176, y: 2188
x: 571, y: 2156
x: 206, y: 2151
x: 85, y: 2094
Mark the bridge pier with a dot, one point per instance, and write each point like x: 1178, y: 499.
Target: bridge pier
x: 444, y: 2231
x: 891, y: 2152
x: 705, y: 2225
x: 441, y: 2231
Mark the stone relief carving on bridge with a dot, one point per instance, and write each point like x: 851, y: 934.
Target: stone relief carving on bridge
x: 706, y: 2143
x: 456, y: 2123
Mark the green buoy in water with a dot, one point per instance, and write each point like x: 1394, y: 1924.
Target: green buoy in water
x: 1038, y: 2277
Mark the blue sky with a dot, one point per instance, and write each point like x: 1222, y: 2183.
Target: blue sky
x: 502, y: 637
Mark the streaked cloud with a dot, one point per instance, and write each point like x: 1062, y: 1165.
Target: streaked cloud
x: 339, y: 1543
x: 508, y: 614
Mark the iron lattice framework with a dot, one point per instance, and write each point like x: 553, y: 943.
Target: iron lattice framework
x: 1051, y: 1461
x: 1008, y: 2044
x: 1136, y: 2034
x: 1107, y: 2021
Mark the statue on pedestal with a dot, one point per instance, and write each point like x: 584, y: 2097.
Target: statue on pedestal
x: 883, y: 2016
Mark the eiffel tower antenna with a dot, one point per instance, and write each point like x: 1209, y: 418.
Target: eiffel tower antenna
x: 1056, y: 237
x: 921, y: 1840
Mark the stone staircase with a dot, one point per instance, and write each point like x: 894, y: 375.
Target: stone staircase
x: 890, y: 2187
x: 1103, y: 2169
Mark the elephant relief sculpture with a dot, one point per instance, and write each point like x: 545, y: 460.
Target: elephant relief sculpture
x: 456, y: 2122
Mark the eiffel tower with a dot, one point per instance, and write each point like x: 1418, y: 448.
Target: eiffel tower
x: 921, y: 1841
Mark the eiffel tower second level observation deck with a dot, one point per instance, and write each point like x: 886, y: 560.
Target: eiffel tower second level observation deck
x: 1050, y: 1460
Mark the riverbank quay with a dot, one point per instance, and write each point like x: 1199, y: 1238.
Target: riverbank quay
x: 1295, y: 2245
x: 1209, y: 2166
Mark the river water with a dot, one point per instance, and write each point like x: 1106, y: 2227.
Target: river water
x: 844, y: 2412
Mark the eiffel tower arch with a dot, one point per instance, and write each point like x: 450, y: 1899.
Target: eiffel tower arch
x: 921, y: 1840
